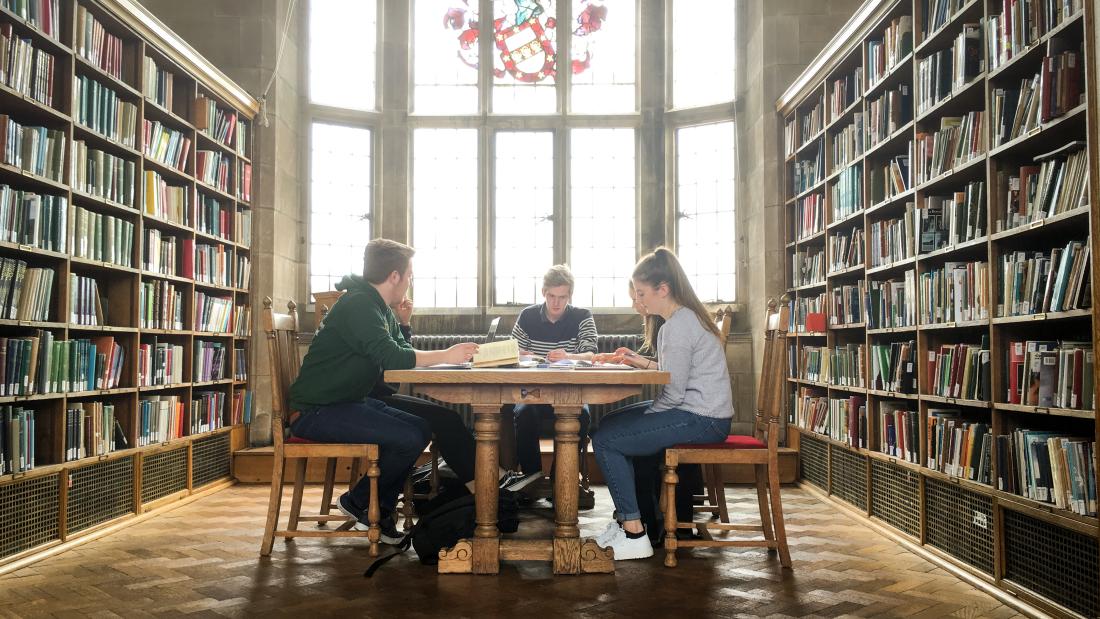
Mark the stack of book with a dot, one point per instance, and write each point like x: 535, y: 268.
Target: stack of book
x: 100, y: 109
x: 814, y: 365
x: 214, y: 218
x: 892, y: 303
x: 958, y: 447
x: 845, y: 365
x: 209, y: 362
x: 1038, y: 282
x: 33, y: 219
x: 1050, y: 467
x: 960, y: 371
x: 844, y: 90
x: 160, y: 419
x: 157, y: 84
x: 812, y: 412
x: 166, y: 145
x: 934, y: 79
x: 893, y: 367
x: 89, y: 430
x: 25, y: 68
x: 37, y: 150
x: 207, y: 411
x: 103, y: 175
x: 102, y: 237
x: 95, y: 44
x: 17, y: 430
x: 242, y: 321
x: 1050, y: 374
x: 894, y: 239
x: 848, y: 420
x: 846, y: 249
x: 40, y: 364
x: 160, y: 363
x: 899, y: 431
x: 808, y: 172
x: 955, y: 292
x: 812, y: 122
x: 160, y: 305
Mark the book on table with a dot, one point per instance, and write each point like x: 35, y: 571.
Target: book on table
x: 496, y: 354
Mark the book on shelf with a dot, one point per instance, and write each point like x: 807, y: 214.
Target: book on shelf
x: 244, y: 181
x: 848, y: 420
x: 242, y: 407
x: 209, y: 362
x: 958, y: 447
x: 41, y: 14
x: 890, y: 178
x: 846, y: 249
x: 89, y: 430
x: 846, y: 193
x: 882, y: 55
x: 808, y: 267
x: 244, y: 271
x: 168, y: 202
x: 93, y: 42
x: 899, y: 431
x: 958, y: 140
x: 102, y: 237
x: 844, y: 90
x: 41, y: 364
x: 240, y: 364
x: 960, y: 371
x: 85, y: 302
x: 1015, y: 110
x: 893, y: 367
x: 17, y: 444
x: 948, y: 220
x: 161, y: 252
x: 33, y: 219
x: 1050, y: 374
x: 218, y: 123
x: 214, y: 217
x: 157, y: 84
x: 892, y: 303
x: 214, y: 168
x: 99, y: 108
x: 242, y: 321
x: 809, y: 216
x: 790, y: 137
x: 243, y: 133
x: 934, y: 79
x: 847, y: 304
x: 1049, y: 467
x: 242, y: 227
x: 211, y: 264
x: 160, y: 363
x: 1023, y: 22
x: 103, y: 175
x: 207, y: 411
x: 812, y: 411
x: 806, y: 173
x: 887, y: 113
x: 37, y: 150
x: 160, y: 419
x: 954, y: 292
x: 1031, y: 193
x: 845, y: 365
x: 936, y: 13
x: 848, y: 143
x: 25, y: 68
x: 1034, y: 282
x: 894, y: 239
x: 811, y: 122
x: 160, y: 305
x: 495, y: 354
x: 808, y: 313
x: 25, y: 292
x: 212, y: 314
x: 166, y: 145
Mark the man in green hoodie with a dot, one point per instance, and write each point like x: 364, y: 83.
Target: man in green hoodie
x: 357, y: 342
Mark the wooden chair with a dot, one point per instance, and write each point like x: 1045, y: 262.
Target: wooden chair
x: 760, y: 450
x: 713, y: 500
x: 282, y: 339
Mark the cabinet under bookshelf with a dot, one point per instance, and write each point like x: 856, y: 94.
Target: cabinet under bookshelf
x: 125, y: 235
x: 945, y: 360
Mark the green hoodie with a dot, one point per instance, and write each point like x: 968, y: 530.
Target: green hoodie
x: 357, y: 341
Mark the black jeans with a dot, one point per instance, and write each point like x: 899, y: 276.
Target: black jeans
x: 527, y: 433
x: 453, y: 439
x: 401, y: 439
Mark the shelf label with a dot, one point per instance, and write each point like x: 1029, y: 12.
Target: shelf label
x: 980, y: 520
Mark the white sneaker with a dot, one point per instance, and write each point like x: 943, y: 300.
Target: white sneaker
x: 627, y: 549
x: 603, y: 539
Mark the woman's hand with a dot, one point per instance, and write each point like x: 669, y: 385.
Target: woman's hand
x: 606, y: 357
x: 622, y: 350
x: 635, y: 360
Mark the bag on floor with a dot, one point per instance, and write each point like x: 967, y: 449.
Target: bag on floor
x: 447, y: 523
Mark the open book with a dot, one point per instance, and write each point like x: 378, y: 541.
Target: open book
x: 495, y: 354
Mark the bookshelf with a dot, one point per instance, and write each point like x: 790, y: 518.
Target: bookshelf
x: 125, y: 246
x: 948, y: 349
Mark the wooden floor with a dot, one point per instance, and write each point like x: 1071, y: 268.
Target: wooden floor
x: 202, y: 559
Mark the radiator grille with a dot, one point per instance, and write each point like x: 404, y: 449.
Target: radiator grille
x: 1054, y: 562
x: 163, y: 473
x: 28, y: 514
x: 848, y: 477
x: 209, y: 460
x: 895, y: 496
x: 959, y: 522
x: 100, y: 492
x: 814, y: 456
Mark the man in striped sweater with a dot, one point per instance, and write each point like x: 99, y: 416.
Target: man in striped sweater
x: 556, y: 330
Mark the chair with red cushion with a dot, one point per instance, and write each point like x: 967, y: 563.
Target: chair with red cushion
x: 282, y: 338
x: 759, y: 450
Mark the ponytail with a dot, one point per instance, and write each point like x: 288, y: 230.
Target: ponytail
x: 662, y: 267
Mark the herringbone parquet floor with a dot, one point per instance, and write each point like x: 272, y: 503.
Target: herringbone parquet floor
x: 202, y: 560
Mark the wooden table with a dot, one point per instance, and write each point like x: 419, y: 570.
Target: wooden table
x: 486, y: 390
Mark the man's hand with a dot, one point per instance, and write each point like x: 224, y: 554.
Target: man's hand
x: 556, y: 355
x: 460, y: 353
x: 404, y: 311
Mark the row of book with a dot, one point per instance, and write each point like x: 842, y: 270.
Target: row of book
x: 948, y: 220
x: 811, y: 122
x: 891, y: 178
x: 41, y: 14
x: 944, y: 71
x: 1050, y: 467
x: 846, y: 249
x: 893, y: 239
x: 211, y: 265
x: 37, y: 150
x: 899, y: 431
x: 808, y: 314
x: 242, y: 321
x: 156, y: 84
x: 893, y: 367
x: 207, y: 411
x: 841, y: 419
x: 808, y: 267
x: 244, y: 271
x: 214, y: 168
x: 954, y: 292
x: 936, y: 13
x: 85, y: 304
x: 89, y: 430
x: 216, y: 122
x: 214, y: 218
x: 847, y: 193
x: 168, y: 202
x: 213, y: 314
x: 240, y: 364
x: 847, y: 304
x: 791, y: 140
x: 1057, y: 185
x: 160, y: 419
x: 809, y: 216
x: 958, y: 140
x: 1034, y: 282
x: 33, y: 219
x: 25, y: 292
x: 960, y: 371
x: 102, y: 237
x: 806, y: 173
x: 243, y: 227
x: 888, y: 113
x: 166, y: 145
x: 25, y: 68
x: 840, y: 365
x: 958, y: 447
x: 160, y: 363
x: 882, y: 55
x: 242, y: 407
x: 1023, y: 22
x: 160, y: 305
x: 209, y: 362
x: 17, y: 444
x: 165, y: 418
x: 103, y: 175
x: 848, y: 143
x: 41, y: 364
x: 892, y: 303
x: 1050, y: 373
x: 160, y: 253
x: 844, y: 91
x: 1016, y: 110
x: 96, y: 44
x: 100, y: 109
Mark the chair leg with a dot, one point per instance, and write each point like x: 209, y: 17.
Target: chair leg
x: 407, y: 508
x: 777, y: 516
x: 762, y: 499
x: 353, y: 474
x: 326, y: 494
x: 296, y: 499
x: 670, y: 513
x: 374, y: 512
x: 274, y: 503
x: 718, y: 489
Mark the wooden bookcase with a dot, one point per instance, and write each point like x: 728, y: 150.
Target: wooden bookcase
x: 65, y: 496
x: 1027, y: 547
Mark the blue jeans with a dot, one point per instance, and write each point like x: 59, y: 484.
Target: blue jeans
x: 527, y: 433
x: 401, y: 438
x: 634, y: 433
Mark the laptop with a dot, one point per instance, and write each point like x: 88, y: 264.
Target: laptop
x: 491, y: 336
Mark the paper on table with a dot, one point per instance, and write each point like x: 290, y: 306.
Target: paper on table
x: 450, y: 366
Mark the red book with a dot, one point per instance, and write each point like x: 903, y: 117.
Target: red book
x: 1015, y: 371
x: 188, y: 267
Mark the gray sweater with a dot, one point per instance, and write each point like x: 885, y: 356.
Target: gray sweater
x: 700, y: 381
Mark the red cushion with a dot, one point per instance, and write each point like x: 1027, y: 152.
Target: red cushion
x: 733, y: 441
x: 298, y: 439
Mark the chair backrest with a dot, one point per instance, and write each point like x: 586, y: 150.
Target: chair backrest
x: 282, y: 349
x: 773, y: 374
x: 723, y: 318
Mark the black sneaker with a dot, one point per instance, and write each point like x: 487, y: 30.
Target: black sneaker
x: 390, y: 534
x: 516, y: 481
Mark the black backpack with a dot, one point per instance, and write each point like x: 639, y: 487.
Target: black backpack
x: 446, y: 520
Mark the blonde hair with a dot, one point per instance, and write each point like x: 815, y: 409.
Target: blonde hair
x: 558, y: 275
x: 651, y: 323
x: 662, y: 267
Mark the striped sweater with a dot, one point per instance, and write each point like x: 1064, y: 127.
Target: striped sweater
x: 575, y: 331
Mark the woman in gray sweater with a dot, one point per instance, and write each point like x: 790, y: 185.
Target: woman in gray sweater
x: 694, y: 407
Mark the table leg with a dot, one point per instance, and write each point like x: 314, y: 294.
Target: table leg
x: 480, y: 555
x: 569, y: 557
